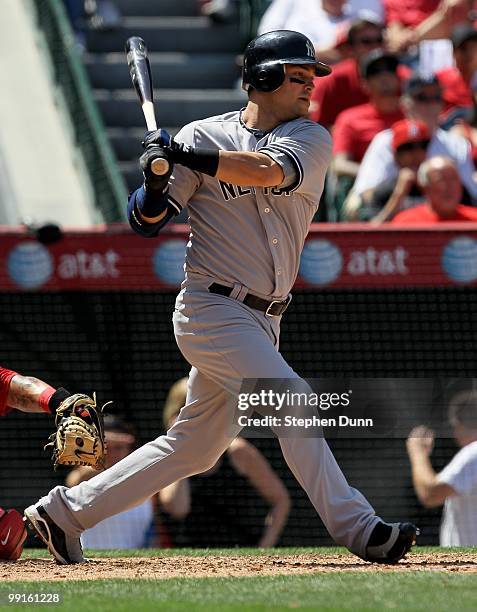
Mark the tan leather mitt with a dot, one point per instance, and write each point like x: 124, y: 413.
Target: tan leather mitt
x: 79, y: 438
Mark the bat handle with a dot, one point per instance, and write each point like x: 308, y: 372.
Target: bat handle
x: 160, y: 166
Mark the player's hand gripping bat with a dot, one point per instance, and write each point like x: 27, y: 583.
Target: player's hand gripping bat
x: 140, y: 71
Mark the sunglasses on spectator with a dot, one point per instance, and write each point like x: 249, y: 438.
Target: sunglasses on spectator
x: 377, y: 40
x: 423, y: 98
x: 413, y: 146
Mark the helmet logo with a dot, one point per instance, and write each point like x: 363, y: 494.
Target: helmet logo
x: 310, y: 49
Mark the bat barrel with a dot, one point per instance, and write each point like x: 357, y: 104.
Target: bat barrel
x: 139, y: 68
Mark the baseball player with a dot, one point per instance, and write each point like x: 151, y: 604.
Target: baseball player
x: 251, y: 180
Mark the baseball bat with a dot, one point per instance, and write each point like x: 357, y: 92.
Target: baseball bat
x: 140, y: 71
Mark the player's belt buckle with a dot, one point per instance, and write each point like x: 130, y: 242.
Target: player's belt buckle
x: 280, y: 305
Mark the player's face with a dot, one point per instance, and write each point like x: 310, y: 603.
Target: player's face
x: 293, y: 98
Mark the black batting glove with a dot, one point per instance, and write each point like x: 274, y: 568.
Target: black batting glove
x: 176, y: 151
x: 201, y: 160
x: 156, y: 146
x: 153, y: 181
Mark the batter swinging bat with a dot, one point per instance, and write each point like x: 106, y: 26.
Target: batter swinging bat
x: 140, y: 71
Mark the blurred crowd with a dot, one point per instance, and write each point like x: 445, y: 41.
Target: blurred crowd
x: 403, y: 91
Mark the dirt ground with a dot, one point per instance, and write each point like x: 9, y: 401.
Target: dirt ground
x: 220, y: 566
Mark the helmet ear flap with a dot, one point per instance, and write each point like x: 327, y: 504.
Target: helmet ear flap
x: 267, y: 78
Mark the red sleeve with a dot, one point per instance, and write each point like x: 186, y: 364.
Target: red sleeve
x: 409, y: 13
x: 5, y: 380
x: 391, y: 15
x: 318, y: 110
x: 343, y: 135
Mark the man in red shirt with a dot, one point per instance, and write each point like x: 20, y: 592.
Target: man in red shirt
x: 411, y: 21
x: 440, y: 181
x: 408, y: 13
x: 456, y: 82
x: 343, y: 88
x: 356, y: 127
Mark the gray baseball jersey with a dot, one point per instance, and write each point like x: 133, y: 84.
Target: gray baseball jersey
x: 250, y: 240
x: 234, y: 228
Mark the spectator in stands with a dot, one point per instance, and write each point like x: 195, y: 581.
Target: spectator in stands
x: 412, y: 22
x: 133, y: 528
x: 410, y: 140
x: 440, y: 181
x: 213, y: 506
x: 96, y: 14
x: 320, y: 20
x: 344, y: 88
x: 456, y: 485
x: 467, y: 126
x: 356, y: 127
x: 457, y: 82
x: 422, y: 101
x: 220, y: 11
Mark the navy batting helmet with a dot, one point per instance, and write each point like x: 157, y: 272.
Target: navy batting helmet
x: 265, y: 58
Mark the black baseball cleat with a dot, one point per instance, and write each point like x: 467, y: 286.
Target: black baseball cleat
x: 389, y: 543
x: 66, y: 549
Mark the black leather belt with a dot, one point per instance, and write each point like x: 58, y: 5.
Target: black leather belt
x: 272, y: 309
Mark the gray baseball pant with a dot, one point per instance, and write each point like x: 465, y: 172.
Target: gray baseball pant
x: 225, y: 342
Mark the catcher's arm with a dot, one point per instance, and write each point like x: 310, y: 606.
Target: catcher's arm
x: 27, y: 393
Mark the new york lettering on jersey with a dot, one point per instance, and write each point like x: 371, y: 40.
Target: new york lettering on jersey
x: 268, y: 224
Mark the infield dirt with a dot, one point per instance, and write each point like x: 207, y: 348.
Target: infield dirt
x: 227, y: 566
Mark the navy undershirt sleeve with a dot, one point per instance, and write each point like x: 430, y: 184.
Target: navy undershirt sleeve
x: 138, y: 201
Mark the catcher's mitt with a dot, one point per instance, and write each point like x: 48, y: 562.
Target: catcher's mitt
x: 79, y: 438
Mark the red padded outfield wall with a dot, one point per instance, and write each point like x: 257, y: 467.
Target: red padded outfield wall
x: 334, y: 256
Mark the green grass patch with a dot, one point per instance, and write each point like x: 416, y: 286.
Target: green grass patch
x: 424, y: 591
x: 325, y: 592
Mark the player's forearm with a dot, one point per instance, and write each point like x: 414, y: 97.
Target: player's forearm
x: 248, y: 169
x: 274, y: 523
x: 25, y: 393
x: 148, y: 211
x: 423, y: 476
